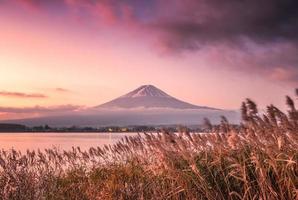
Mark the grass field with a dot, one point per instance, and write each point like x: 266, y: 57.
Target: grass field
x: 256, y: 160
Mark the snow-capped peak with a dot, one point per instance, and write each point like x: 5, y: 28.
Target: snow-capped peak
x: 146, y: 90
x: 149, y: 96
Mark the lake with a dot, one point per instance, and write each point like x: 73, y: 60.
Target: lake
x: 65, y: 141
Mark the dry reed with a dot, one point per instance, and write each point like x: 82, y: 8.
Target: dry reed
x: 256, y: 160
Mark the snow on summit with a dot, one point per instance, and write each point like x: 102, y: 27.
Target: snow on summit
x: 147, y: 90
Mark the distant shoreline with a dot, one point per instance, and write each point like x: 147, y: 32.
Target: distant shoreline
x: 18, y: 128
x: 69, y: 132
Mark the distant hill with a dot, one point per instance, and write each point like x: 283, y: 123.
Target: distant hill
x: 5, y: 127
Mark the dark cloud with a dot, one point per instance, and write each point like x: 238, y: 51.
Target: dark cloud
x: 22, y: 95
x: 275, y: 62
x: 193, y: 23
x: 40, y: 109
x: 262, y: 33
x: 253, y: 36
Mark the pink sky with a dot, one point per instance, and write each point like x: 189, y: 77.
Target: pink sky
x: 80, y: 53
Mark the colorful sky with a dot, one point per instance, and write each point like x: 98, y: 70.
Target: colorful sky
x: 61, y: 55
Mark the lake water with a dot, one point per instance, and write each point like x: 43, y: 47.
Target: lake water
x: 65, y: 141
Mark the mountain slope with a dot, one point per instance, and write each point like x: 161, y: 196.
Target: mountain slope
x: 148, y: 96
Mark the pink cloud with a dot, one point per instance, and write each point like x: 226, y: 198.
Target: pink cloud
x: 105, y: 11
x: 283, y: 74
x: 22, y: 95
x: 7, y: 113
x: 108, y: 12
x: 58, y: 89
x: 246, y: 36
x: 41, y: 109
x: 31, y: 5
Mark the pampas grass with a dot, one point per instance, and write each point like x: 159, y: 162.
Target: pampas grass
x: 256, y: 160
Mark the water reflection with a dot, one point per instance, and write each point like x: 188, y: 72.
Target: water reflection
x: 65, y: 141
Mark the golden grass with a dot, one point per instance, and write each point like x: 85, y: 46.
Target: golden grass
x: 257, y: 160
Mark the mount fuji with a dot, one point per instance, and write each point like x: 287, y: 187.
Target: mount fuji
x: 148, y: 96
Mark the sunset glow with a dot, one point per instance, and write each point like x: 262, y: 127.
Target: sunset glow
x: 73, y: 54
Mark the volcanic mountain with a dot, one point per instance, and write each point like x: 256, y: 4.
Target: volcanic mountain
x: 148, y: 96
